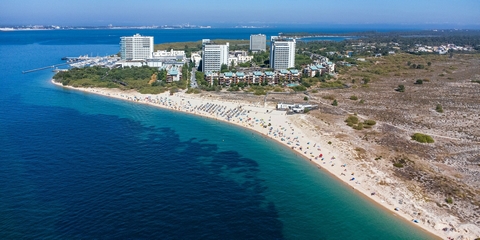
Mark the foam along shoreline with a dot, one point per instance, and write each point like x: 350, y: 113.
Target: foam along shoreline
x: 288, y: 130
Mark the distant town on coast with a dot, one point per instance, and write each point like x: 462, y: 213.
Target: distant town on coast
x: 295, y: 60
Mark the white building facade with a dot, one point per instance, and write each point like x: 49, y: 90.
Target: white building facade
x: 170, y: 56
x: 213, y: 56
x: 136, y: 47
x: 282, y: 53
x: 258, y: 42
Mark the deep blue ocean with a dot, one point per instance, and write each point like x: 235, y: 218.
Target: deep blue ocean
x: 75, y: 165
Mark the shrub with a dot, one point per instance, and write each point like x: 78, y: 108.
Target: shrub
x: 353, y: 97
x: 305, y: 98
x: 306, y: 84
x: 449, y: 200
x: 398, y: 165
x: 336, y: 84
x: 329, y: 97
x: 259, y: 91
x: 299, y: 88
x: 362, y: 101
x: 370, y: 122
x: 422, y: 138
x: 401, y: 88
x: 173, y: 90
x: 335, y: 103
x: 401, y: 161
x: 193, y: 90
x: 233, y: 89
x: 439, y: 108
x: 419, y: 81
x: 358, y: 127
x: 352, y: 119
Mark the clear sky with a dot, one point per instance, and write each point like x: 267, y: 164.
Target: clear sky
x: 244, y: 12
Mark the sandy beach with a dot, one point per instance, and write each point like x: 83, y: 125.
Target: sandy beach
x: 296, y: 133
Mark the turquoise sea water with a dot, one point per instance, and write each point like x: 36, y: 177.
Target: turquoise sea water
x: 80, y: 166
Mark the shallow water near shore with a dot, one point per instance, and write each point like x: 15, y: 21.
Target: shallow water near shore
x: 78, y: 165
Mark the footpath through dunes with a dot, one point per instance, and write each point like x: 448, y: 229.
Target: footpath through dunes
x: 294, y: 131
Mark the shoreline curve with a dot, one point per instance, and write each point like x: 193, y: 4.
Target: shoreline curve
x: 281, y: 126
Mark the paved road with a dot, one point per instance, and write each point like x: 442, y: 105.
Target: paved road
x: 193, y: 81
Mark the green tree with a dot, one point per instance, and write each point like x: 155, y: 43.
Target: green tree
x: 400, y: 88
x: 335, y: 103
x: 224, y: 68
x: 185, y: 73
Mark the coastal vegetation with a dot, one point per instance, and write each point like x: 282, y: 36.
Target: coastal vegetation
x: 353, y: 121
x: 138, y: 78
x: 422, y: 138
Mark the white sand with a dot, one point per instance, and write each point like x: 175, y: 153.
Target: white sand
x: 289, y: 130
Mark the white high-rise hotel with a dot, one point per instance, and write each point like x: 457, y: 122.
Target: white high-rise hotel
x: 136, y: 47
x: 282, y: 53
x: 213, y: 56
x: 258, y: 42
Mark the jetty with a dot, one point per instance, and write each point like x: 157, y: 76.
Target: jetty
x: 80, y: 61
x: 43, y: 68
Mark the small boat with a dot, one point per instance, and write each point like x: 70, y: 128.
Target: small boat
x: 415, y: 220
x: 396, y: 209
